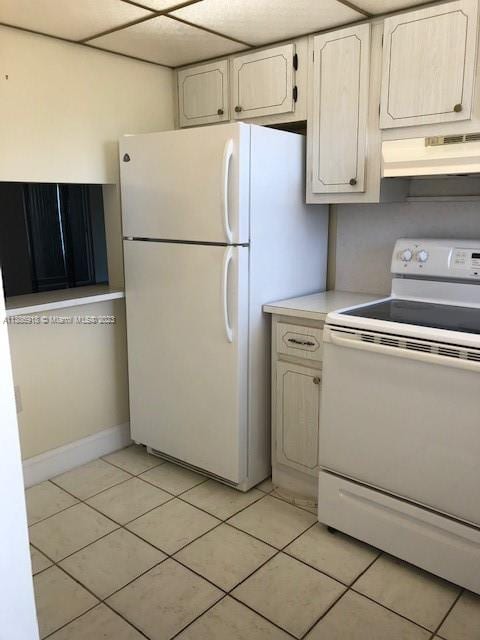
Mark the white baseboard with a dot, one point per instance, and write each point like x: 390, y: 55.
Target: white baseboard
x: 52, y: 463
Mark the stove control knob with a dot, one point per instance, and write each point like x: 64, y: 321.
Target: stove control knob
x: 421, y: 255
x: 406, y: 255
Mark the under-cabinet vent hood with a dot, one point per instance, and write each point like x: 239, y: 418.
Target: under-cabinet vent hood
x: 433, y: 156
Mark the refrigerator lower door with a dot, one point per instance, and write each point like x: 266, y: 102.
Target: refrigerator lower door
x: 190, y: 185
x: 187, y: 325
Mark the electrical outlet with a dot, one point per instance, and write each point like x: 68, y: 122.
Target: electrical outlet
x: 18, y: 399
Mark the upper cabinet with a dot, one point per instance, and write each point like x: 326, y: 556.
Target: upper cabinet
x: 263, y: 83
x: 203, y: 93
x: 339, y: 111
x: 266, y: 86
x: 429, y: 65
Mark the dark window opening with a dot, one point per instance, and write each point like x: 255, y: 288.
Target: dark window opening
x: 52, y: 236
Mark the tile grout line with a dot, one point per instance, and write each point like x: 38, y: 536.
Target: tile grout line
x: 283, y: 550
x: 206, y: 479
x: 49, y: 635
x: 221, y: 521
x: 198, y: 617
x: 93, y: 494
x: 117, y: 466
x: 348, y: 588
x: 118, y: 527
x: 383, y: 553
x: 325, y: 613
x: 124, y: 526
x: 229, y: 593
x: 437, y: 629
x: 56, y: 512
x: 401, y: 615
x: 170, y: 556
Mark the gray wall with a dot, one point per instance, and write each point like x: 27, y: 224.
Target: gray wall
x: 363, y: 237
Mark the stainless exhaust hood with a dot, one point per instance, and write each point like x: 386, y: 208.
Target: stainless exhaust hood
x: 433, y: 156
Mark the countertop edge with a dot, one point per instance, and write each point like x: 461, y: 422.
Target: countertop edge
x: 75, y: 300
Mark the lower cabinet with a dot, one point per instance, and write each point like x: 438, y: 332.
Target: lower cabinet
x: 298, y: 415
x: 297, y: 348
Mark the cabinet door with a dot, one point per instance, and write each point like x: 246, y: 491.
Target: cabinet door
x: 203, y: 94
x: 428, y: 65
x: 340, y: 110
x: 298, y: 412
x: 263, y: 83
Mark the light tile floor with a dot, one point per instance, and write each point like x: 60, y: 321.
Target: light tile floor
x: 131, y: 547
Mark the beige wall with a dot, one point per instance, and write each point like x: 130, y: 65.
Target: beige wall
x: 366, y: 234
x: 62, y: 110
x: 72, y: 377
x: 64, y: 106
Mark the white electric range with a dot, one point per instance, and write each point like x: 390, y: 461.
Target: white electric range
x: 400, y: 413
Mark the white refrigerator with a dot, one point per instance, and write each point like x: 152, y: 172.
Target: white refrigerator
x: 214, y: 226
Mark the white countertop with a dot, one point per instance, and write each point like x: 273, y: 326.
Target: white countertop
x: 60, y: 299
x: 317, y: 305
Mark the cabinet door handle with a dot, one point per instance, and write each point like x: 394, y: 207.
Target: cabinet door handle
x: 238, y: 108
x: 457, y: 108
x: 304, y: 343
x: 220, y: 112
x: 353, y: 182
x: 316, y: 381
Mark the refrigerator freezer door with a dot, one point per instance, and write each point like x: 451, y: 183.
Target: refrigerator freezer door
x: 187, y: 319
x: 188, y: 185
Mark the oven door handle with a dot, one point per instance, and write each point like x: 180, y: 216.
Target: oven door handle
x: 341, y: 339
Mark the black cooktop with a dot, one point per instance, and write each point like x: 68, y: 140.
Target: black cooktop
x: 423, y: 314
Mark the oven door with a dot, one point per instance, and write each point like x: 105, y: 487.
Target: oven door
x: 403, y: 416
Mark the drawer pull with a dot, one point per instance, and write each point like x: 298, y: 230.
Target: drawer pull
x: 303, y: 343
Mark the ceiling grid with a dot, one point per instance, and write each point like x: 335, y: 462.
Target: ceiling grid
x: 173, y: 33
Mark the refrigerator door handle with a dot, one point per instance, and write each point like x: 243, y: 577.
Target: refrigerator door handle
x: 226, y: 265
x: 227, y: 156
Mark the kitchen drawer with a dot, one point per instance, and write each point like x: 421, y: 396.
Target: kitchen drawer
x: 299, y: 341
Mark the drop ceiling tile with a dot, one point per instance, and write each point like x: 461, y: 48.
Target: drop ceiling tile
x: 377, y: 7
x: 166, y: 41
x: 70, y: 19
x: 161, y: 5
x: 261, y: 21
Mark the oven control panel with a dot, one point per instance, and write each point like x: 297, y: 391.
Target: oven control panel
x: 455, y: 259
